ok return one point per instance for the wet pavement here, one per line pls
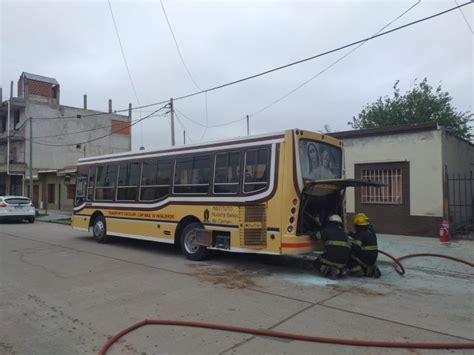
(63, 293)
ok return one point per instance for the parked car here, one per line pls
(16, 208)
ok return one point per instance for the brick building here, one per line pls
(54, 128)
(420, 165)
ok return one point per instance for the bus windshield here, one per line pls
(319, 161)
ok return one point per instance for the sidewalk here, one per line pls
(54, 216)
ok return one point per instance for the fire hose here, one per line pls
(401, 270)
(311, 338)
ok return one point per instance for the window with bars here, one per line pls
(390, 193)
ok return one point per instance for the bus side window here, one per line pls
(105, 184)
(81, 186)
(91, 184)
(227, 173)
(128, 181)
(156, 179)
(192, 175)
(256, 170)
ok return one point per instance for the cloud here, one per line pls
(222, 41)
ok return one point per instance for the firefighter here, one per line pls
(336, 249)
(364, 248)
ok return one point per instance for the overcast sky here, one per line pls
(221, 41)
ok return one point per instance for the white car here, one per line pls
(16, 208)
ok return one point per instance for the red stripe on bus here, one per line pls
(297, 245)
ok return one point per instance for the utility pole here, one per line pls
(31, 158)
(184, 137)
(248, 126)
(172, 121)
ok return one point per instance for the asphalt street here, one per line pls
(63, 293)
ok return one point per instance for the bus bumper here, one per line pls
(300, 245)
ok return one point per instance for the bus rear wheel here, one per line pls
(191, 250)
(99, 229)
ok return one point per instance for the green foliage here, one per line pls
(418, 105)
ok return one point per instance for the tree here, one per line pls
(418, 105)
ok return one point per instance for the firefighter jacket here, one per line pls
(336, 243)
(364, 245)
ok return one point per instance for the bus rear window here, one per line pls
(319, 160)
(192, 175)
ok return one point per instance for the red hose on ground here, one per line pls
(276, 334)
(437, 256)
(401, 270)
(352, 342)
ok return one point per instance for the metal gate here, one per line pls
(461, 202)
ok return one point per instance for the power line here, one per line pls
(211, 126)
(90, 130)
(465, 19)
(294, 63)
(320, 54)
(103, 136)
(207, 121)
(123, 52)
(189, 119)
(304, 83)
(127, 67)
(183, 127)
(177, 46)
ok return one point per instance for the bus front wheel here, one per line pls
(99, 229)
(191, 250)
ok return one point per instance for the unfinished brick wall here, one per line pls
(120, 127)
(39, 88)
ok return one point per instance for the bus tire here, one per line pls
(99, 230)
(189, 249)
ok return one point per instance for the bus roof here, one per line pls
(169, 149)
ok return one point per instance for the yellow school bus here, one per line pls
(263, 194)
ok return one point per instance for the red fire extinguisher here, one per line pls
(444, 231)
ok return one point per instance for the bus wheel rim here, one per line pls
(99, 228)
(189, 245)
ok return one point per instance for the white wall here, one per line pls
(47, 157)
(423, 151)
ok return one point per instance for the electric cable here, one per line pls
(465, 19)
(290, 64)
(123, 53)
(322, 53)
(126, 66)
(103, 136)
(177, 46)
(183, 126)
(90, 130)
(189, 119)
(304, 83)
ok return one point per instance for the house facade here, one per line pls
(60, 136)
(417, 164)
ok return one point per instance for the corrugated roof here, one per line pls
(37, 77)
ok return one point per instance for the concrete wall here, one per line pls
(458, 158)
(423, 151)
(458, 155)
(48, 157)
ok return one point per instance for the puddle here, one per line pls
(306, 279)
